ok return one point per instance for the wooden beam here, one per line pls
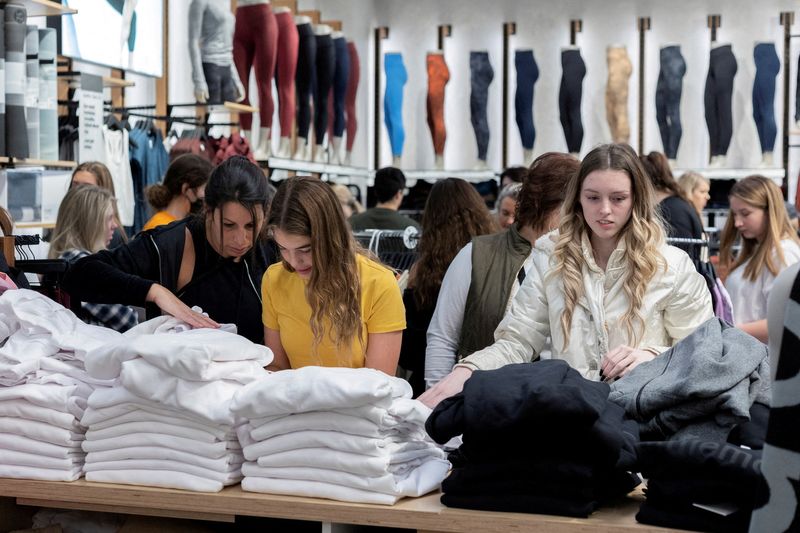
(336, 25)
(313, 14)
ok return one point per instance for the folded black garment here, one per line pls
(521, 503)
(692, 518)
(694, 489)
(753, 432)
(545, 393)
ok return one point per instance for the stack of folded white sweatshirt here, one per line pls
(168, 422)
(44, 386)
(339, 433)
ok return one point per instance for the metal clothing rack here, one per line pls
(395, 248)
(703, 243)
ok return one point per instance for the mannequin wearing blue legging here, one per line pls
(527, 74)
(481, 76)
(767, 67)
(396, 77)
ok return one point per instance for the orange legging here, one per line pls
(438, 76)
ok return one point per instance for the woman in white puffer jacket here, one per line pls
(606, 288)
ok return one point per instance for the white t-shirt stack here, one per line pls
(168, 422)
(338, 433)
(44, 386)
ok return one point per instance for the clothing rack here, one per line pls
(395, 248)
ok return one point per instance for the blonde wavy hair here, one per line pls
(309, 207)
(758, 192)
(81, 223)
(643, 235)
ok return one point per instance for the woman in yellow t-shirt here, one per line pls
(326, 303)
(181, 192)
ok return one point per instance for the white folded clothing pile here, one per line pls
(168, 422)
(44, 386)
(338, 433)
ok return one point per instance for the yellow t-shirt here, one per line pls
(162, 218)
(287, 310)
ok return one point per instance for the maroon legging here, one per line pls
(288, 44)
(255, 44)
(350, 97)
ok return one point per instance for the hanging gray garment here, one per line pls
(32, 89)
(48, 95)
(16, 130)
(2, 84)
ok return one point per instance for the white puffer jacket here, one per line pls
(676, 302)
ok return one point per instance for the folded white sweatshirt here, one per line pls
(11, 457)
(41, 474)
(228, 462)
(73, 369)
(402, 412)
(13, 373)
(40, 431)
(352, 463)
(326, 421)
(156, 478)
(133, 428)
(29, 411)
(71, 399)
(313, 388)
(225, 477)
(213, 450)
(189, 354)
(10, 441)
(141, 415)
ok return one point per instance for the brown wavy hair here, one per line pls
(454, 214)
(656, 165)
(643, 234)
(308, 207)
(543, 189)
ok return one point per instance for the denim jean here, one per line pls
(718, 99)
(396, 78)
(668, 99)
(481, 76)
(570, 95)
(767, 67)
(527, 74)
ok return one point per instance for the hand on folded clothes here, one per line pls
(452, 384)
(621, 360)
(171, 304)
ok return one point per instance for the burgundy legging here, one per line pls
(288, 44)
(255, 44)
(350, 97)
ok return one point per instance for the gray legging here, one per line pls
(2, 88)
(481, 76)
(48, 95)
(668, 99)
(32, 89)
(16, 130)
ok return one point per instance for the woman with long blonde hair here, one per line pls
(759, 221)
(606, 288)
(326, 303)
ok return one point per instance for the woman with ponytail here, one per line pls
(181, 192)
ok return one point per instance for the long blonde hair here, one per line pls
(81, 223)
(689, 181)
(758, 192)
(309, 207)
(643, 235)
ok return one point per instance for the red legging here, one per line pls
(350, 97)
(438, 76)
(255, 44)
(288, 44)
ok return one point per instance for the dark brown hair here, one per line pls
(656, 165)
(544, 188)
(191, 169)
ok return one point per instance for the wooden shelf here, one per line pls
(44, 8)
(108, 81)
(17, 162)
(36, 224)
(240, 108)
(275, 163)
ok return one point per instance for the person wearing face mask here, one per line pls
(212, 260)
(607, 310)
(181, 192)
(85, 224)
(327, 303)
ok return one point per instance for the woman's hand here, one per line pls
(621, 360)
(452, 384)
(171, 304)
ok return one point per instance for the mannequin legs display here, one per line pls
(264, 149)
(16, 129)
(350, 100)
(569, 98)
(255, 45)
(668, 99)
(32, 89)
(221, 87)
(2, 84)
(767, 67)
(481, 76)
(306, 65)
(48, 94)
(527, 74)
(284, 148)
(718, 95)
(286, 70)
(326, 66)
(438, 76)
(340, 79)
(619, 72)
(396, 78)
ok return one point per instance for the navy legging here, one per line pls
(668, 99)
(570, 95)
(718, 99)
(326, 66)
(481, 76)
(306, 66)
(396, 77)
(340, 79)
(767, 67)
(527, 74)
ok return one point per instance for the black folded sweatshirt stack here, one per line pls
(537, 438)
(684, 477)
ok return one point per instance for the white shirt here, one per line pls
(749, 298)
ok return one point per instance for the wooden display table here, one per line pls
(424, 514)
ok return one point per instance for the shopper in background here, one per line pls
(758, 220)
(85, 224)
(454, 214)
(213, 260)
(484, 277)
(390, 183)
(326, 303)
(349, 204)
(181, 192)
(695, 187)
(605, 288)
(96, 173)
(512, 175)
(7, 230)
(506, 205)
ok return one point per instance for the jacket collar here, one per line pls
(616, 263)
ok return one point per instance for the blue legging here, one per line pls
(767, 67)
(527, 74)
(481, 76)
(396, 77)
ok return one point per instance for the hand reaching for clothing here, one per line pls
(171, 304)
(452, 384)
(621, 360)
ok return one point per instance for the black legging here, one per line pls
(306, 65)
(718, 95)
(326, 68)
(668, 99)
(569, 98)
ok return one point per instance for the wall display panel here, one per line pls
(115, 33)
